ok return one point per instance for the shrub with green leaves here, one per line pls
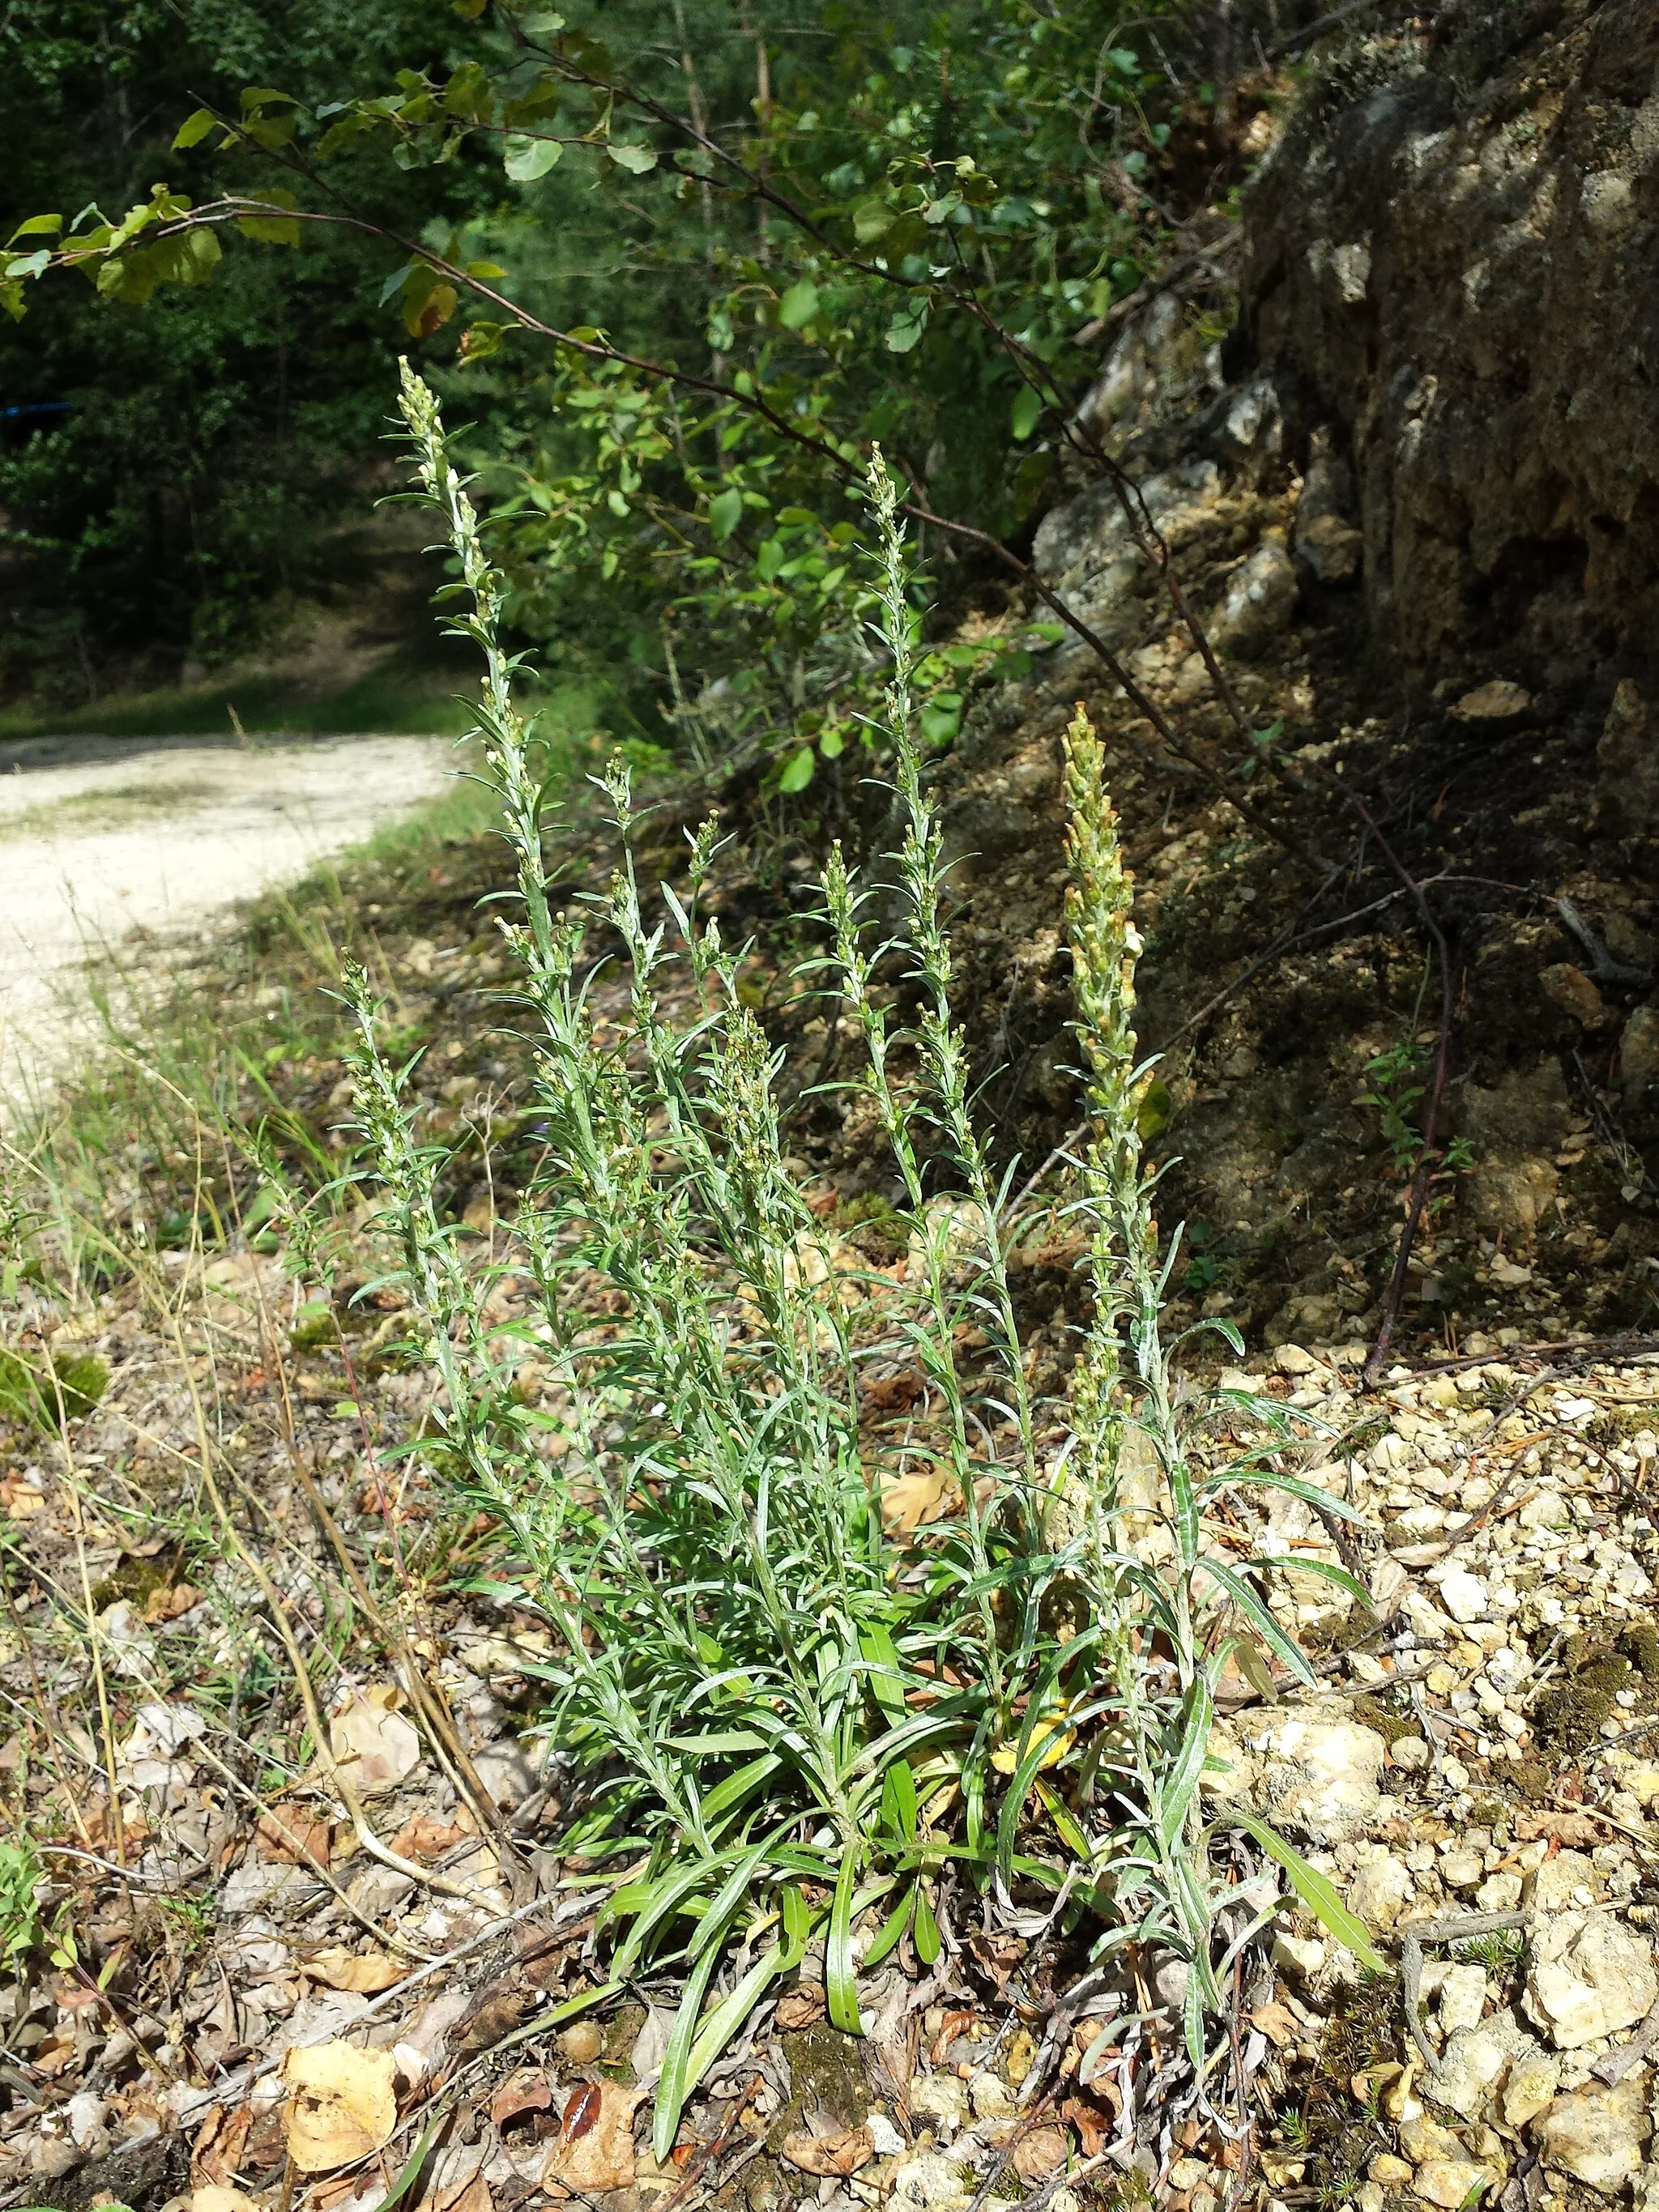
(788, 1710)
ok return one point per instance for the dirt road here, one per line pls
(108, 844)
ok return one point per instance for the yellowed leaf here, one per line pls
(375, 1746)
(595, 2149)
(341, 2104)
(367, 1972)
(1006, 1758)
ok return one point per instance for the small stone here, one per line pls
(993, 2099)
(926, 2181)
(1300, 1956)
(1462, 1998)
(1330, 549)
(1188, 2172)
(885, 2137)
(1463, 1596)
(1596, 2136)
(1380, 1891)
(1259, 601)
(580, 2044)
(1530, 2089)
(1558, 1884)
(1448, 2181)
(942, 2097)
(1320, 1776)
(1423, 2139)
(1589, 1977)
(1390, 2172)
(1410, 1754)
(1638, 1052)
(1461, 1869)
(1476, 2061)
(1497, 701)
(1499, 1892)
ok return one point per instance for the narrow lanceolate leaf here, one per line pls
(928, 1941)
(730, 1895)
(1314, 1890)
(898, 1801)
(1269, 1478)
(1181, 1786)
(840, 1985)
(676, 2059)
(1192, 2020)
(1186, 1508)
(724, 2020)
(736, 1787)
(1261, 1619)
(886, 1682)
(891, 1931)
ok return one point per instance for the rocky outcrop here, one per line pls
(1453, 256)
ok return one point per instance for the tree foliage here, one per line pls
(682, 261)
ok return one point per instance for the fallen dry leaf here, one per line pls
(893, 1394)
(217, 2155)
(473, 2195)
(214, 2197)
(909, 1501)
(595, 2149)
(801, 2007)
(366, 1972)
(375, 1746)
(290, 1837)
(341, 2104)
(170, 1603)
(1040, 2154)
(52, 2056)
(497, 2013)
(830, 2156)
(526, 2091)
(1277, 2022)
(426, 1839)
(953, 2025)
(1093, 2126)
(1577, 1831)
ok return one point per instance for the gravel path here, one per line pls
(108, 844)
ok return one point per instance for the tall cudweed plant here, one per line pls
(791, 1711)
